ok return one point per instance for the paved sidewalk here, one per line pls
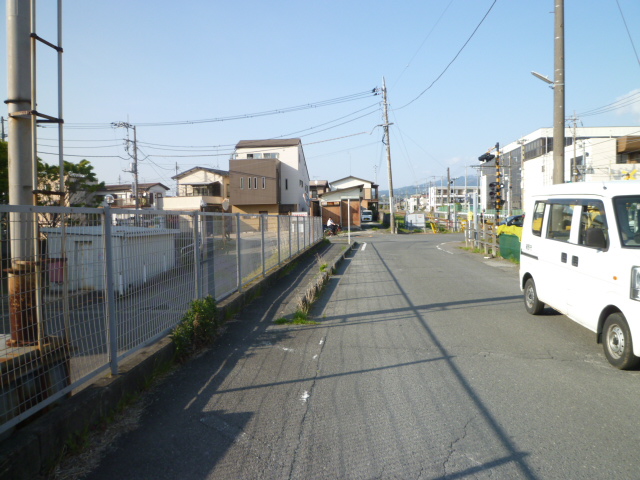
(25, 452)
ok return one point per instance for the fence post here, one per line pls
(297, 234)
(112, 331)
(290, 246)
(279, 240)
(196, 256)
(238, 250)
(264, 266)
(484, 239)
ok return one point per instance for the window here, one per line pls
(254, 155)
(538, 215)
(559, 224)
(286, 184)
(255, 182)
(264, 182)
(593, 218)
(249, 183)
(270, 155)
(628, 215)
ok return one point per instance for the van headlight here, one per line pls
(635, 283)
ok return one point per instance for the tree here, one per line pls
(80, 185)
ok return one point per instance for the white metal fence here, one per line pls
(83, 288)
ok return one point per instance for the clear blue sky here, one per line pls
(173, 61)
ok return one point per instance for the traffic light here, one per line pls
(495, 194)
(485, 157)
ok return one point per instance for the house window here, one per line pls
(255, 182)
(301, 184)
(270, 155)
(254, 155)
(241, 183)
(264, 182)
(249, 183)
(286, 184)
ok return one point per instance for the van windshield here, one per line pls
(628, 219)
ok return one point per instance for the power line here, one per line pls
(628, 33)
(454, 58)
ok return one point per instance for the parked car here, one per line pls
(366, 216)
(580, 255)
(513, 220)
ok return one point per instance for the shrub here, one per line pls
(197, 328)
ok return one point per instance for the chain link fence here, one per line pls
(83, 288)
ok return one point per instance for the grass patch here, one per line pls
(322, 263)
(198, 327)
(299, 318)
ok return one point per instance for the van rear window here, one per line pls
(628, 218)
(538, 215)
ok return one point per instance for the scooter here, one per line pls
(329, 232)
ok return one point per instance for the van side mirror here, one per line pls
(596, 238)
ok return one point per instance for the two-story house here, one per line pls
(269, 176)
(369, 198)
(150, 195)
(200, 189)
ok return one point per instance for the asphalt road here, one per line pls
(423, 365)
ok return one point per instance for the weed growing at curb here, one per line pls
(299, 318)
(322, 263)
(198, 327)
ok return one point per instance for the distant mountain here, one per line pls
(421, 188)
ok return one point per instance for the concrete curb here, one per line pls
(35, 448)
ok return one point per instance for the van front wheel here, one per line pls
(531, 301)
(617, 343)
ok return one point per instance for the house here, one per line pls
(343, 205)
(269, 177)
(369, 199)
(200, 189)
(316, 189)
(150, 195)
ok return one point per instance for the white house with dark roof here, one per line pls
(150, 195)
(200, 188)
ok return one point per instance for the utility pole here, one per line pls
(448, 198)
(134, 169)
(392, 220)
(558, 95)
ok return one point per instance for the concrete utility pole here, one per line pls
(558, 95)
(20, 129)
(134, 169)
(392, 219)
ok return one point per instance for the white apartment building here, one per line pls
(591, 154)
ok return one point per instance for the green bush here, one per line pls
(197, 328)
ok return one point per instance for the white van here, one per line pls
(366, 216)
(580, 255)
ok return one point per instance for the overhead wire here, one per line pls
(454, 58)
(628, 32)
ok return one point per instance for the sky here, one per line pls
(197, 76)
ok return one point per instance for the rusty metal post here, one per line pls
(22, 304)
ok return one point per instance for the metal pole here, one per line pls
(262, 256)
(135, 168)
(392, 219)
(196, 256)
(238, 263)
(349, 220)
(290, 246)
(279, 240)
(112, 330)
(558, 95)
